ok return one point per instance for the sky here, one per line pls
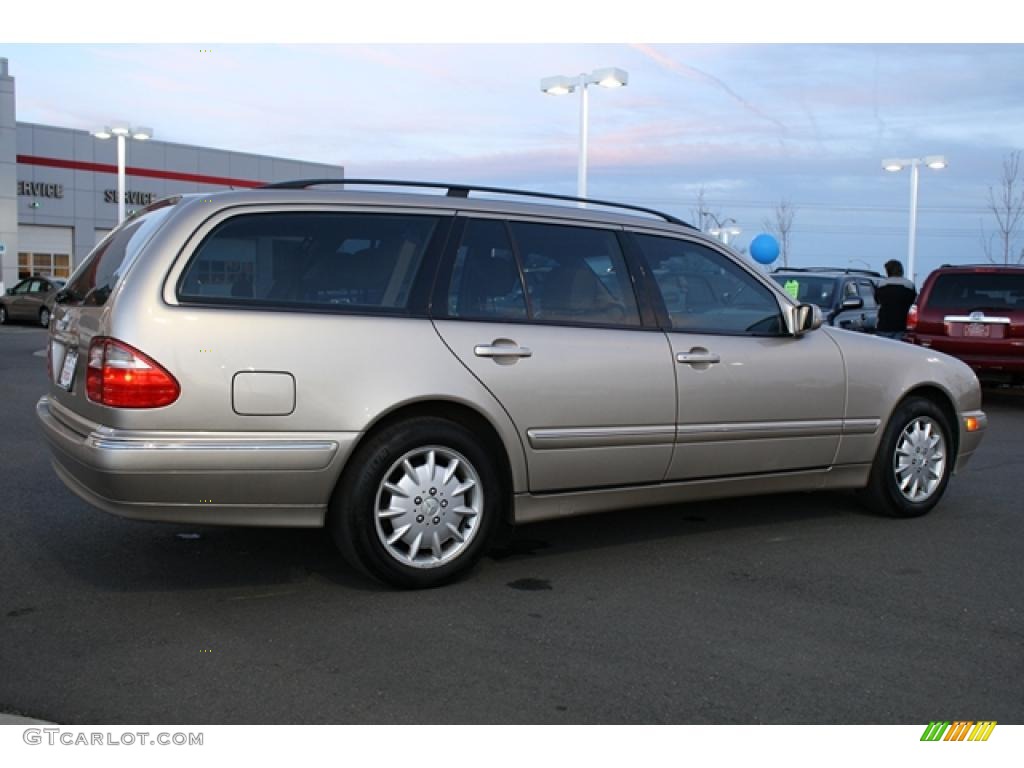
(749, 124)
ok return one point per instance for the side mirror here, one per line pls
(852, 302)
(803, 318)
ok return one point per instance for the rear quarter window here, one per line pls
(108, 263)
(310, 259)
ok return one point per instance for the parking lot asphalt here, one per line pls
(780, 609)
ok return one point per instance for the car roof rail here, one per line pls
(840, 270)
(463, 190)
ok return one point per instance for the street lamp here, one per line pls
(122, 131)
(559, 85)
(895, 165)
(722, 230)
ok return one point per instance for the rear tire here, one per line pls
(914, 461)
(44, 317)
(418, 504)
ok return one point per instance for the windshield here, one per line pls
(979, 290)
(808, 289)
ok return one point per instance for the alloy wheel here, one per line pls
(428, 507)
(919, 461)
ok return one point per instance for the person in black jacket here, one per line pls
(894, 296)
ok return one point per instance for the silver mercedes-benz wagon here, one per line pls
(412, 369)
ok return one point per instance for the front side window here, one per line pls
(866, 289)
(340, 260)
(575, 275)
(705, 292)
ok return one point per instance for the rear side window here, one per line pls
(315, 259)
(977, 291)
(575, 274)
(95, 279)
(486, 284)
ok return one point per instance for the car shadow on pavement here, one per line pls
(119, 555)
(1011, 397)
(129, 556)
(699, 518)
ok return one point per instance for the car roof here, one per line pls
(595, 212)
(967, 268)
(824, 272)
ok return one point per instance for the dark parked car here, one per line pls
(846, 296)
(30, 300)
(976, 313)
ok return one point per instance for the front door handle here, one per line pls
(502, 348)
(694, 357)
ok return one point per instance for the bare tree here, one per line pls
(702, 213)
(1006, 202)
(782, 227)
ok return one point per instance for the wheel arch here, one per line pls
(466, 416)
(944, 402)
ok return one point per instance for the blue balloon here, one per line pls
(764, 249)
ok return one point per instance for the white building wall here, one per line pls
(8, 181)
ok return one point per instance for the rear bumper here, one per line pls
(262, 479)
(1004, 356)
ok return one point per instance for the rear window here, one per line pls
(314, 259)
(97, 277)
(977, 291)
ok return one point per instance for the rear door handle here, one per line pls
(501, 350)
(696, 358)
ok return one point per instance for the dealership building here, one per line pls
(58, 186)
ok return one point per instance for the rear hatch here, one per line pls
(974, 313)
(82, 307)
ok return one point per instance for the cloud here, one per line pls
(696, 74)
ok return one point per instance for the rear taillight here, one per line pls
(912, 317)
(123, 377)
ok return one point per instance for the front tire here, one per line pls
(418, 504)
(914, 461)
(3, 315)
(44, 317)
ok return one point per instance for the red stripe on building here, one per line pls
(152, 173)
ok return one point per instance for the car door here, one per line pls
(751, 399)
(26, 299)
(866, 289)
(850, 306)
(545, 315)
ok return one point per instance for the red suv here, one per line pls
(976, 313)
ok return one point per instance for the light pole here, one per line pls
(122, 131)
(722, 230)
(559, 85)
(897, 164)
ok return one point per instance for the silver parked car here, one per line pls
(412, 369)
(31, 300)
